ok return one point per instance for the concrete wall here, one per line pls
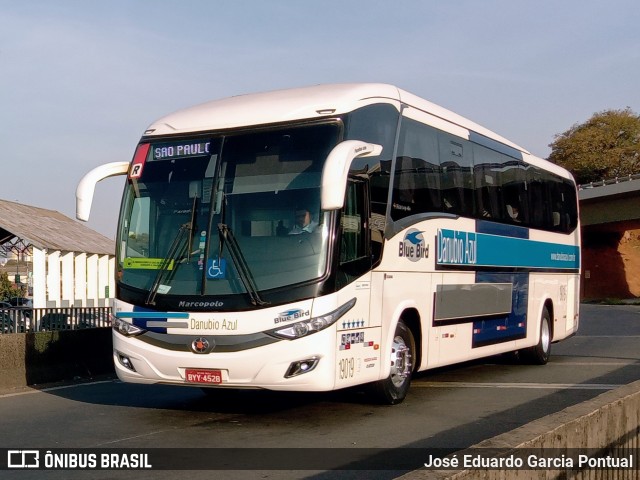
(44, 357)
(611, 420)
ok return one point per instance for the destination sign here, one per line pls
(174, 150)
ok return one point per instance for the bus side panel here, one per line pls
(478, 333)
(403, 291)
(454, 337)
(504, 328)
(560, 290)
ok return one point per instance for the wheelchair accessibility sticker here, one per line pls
(216, 268)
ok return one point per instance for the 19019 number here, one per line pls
(347, 368)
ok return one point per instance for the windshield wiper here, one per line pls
(170, 261)
(226, 236)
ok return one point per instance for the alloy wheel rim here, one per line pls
(400, 361)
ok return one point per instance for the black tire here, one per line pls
(539, 354)
(393, 389)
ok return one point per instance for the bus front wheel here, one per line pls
(539, 354)
(393, 389)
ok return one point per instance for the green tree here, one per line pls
(605, 146)
(7, 290)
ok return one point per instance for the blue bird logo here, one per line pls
(413, 237)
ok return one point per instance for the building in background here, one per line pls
(60, 261)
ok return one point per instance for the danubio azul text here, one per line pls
(457, 248)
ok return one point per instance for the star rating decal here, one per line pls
(352, 324)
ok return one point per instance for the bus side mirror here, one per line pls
(336, 170)
(86, 187)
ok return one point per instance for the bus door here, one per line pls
(357, 358)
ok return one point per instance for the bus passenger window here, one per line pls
(417, 180)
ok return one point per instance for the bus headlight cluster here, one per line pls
(312, 325)
(125, 328)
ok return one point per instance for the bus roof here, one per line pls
(300, 104)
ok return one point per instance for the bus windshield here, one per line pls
(223, 215)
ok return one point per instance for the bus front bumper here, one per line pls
(303, 364)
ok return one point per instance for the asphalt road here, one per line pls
(447, 408)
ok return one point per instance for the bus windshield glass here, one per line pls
(224, 215)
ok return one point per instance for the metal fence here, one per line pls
(26, 319)
(609, 181)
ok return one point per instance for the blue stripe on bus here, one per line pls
(503, 328)
(470, 249)
(502, 229)
(140, 315)
(153, 315)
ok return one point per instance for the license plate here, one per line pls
(203, 376)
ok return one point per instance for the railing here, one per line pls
(26, 319)
(610, 181)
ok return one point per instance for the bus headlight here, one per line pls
(125, 361)
(301, 366)
(312, 325)
(125, 328)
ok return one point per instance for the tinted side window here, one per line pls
(375, 124)
(515, 196)
(487, 170)
(510, 191)
(456, 164)
(569, 202)
(553, 201)
(563, 205)
(541, 212)
(439, 172)
(416, 186)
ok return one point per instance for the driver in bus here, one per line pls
(303, 222)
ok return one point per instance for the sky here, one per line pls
(81, 80)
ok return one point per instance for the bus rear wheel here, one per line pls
(393, 389)
(539, 354)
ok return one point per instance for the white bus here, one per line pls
(318, 238)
